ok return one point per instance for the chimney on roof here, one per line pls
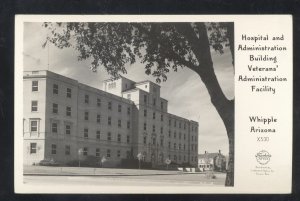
(219, 151)
(205, 152)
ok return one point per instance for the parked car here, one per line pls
(48, 162)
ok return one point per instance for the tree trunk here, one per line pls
(225, 108)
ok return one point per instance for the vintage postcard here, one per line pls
(153, 104)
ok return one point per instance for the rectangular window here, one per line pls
(127, 154)
(109, 136)
(184, 147)
(145, 139)
(161, 117)
(69, 93)
(169, 145)
(109, 105)
(85, 151)
(128, 124)
(179, 146)
(32, 148)
(119, 137)
(55, 108)
(169, 133)
(175, 134)
(179, 124)
(154, 101)
(184, 126)
(86, 133)
(35, 86)
(174, 145)
(145, 99)
(68, 111)
(86, 116)
(54, 127)
(175, 123)
(161, 130)
(154, 141)
(108, 153)
(145, 113)
(161, 105)
(119, 153)
(33, 126)
(179, 136)
(34, 106)
(109, 121)
(145, 126)
(161, 142)
(128, 139)
(98, 135)
(128, 110)
(68, 129)
(184, 137)
(98, 118)
(67, 149)
(119, 108)
(119, 123)
(170, 122)
(153, 128)
(153, 115)
(98, 102)
(55, 89)
(53, 149)
(86, 99)
(97, 152)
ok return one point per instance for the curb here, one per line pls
(104, 175)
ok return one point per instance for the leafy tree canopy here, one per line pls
(160, 46)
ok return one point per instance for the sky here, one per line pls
(184, 90)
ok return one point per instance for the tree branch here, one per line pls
(172, 55)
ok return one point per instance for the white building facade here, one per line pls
(62, 116)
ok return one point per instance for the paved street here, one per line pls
(161, 180)
(117, 177)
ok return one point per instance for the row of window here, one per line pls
(146, 101)
(162, 119)
(109, 104)
(67, 150)
(86, 97)
(108, 137)
(162, 130)
(85, 152)
(55, 109)
(175, 158)
(35, 87)
(175, 147)
(54, 129)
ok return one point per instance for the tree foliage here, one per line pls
(160, 46)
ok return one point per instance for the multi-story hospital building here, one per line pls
(63, 116)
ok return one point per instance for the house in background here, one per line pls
(212, 161)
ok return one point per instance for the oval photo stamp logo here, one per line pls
(263, 157)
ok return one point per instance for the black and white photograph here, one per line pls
(153, 104)
(129, 103)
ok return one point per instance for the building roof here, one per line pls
(210, 155)
(142, 82)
